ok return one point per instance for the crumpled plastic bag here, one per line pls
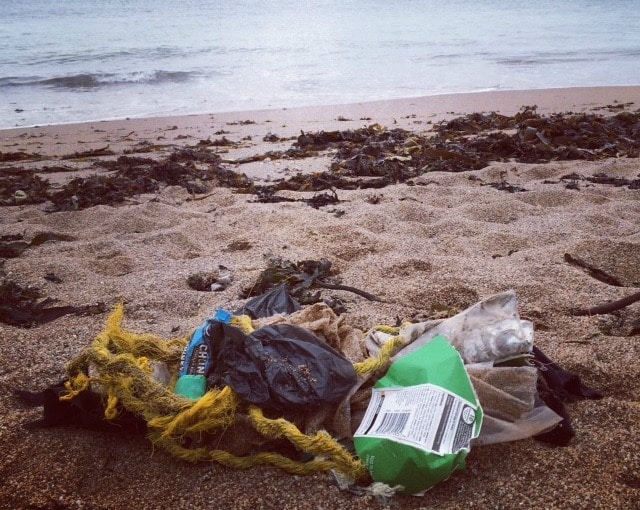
(278, 367)
(485, 333)
(274, 301)
(512, 407)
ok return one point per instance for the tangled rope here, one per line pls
(120, 363)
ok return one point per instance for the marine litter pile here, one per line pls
(292, 388)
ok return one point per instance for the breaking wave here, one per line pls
(92, 81)
(543, 58)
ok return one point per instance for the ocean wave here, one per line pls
(91, 81)
(545, 58)
(147, 54)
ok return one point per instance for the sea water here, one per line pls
(78, 60)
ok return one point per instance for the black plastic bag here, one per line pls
(555, 387)
(273, 301)
(86, 410)
(278, 367)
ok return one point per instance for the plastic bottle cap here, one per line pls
(222, 315)
(191, 386)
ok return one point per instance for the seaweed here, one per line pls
(267, 195)
(599, 178)
(17, 156)
(81, 193)
(371, 157)
(505, 186)
(210, 281)
(221, 142)
(610, 307)
(270, 137)
(298, 276)
(593, 271)
(302, 280)
(12, 246)
(102, 151)
(475, 123)
(241, 123)
(25, 307)
(32, 187)
(134, 175)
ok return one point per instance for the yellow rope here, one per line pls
(121, 366)
(244, 462)
(370, 365)
(76, 386)
(392, 330)
(321, 444)
(215, 409)
(110, 411)
(243, 322)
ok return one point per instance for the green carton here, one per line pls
(421, 419)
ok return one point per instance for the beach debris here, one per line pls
(17, 156)
(267, 195)
(302, 279)
(20, 196)
(92, 153)
(12, 245)
(610, 307)
(26, 307)
(213, 281)
(492, 330)
(52, 277)
(270, 137)
(254, 387)
(278, 367)
(18, 186)
(438, 439)
(557, 387)
(593, 271)
(87, 411)
(220, 142)
(276, 300)
(239, 245)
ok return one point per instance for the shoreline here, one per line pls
(503, 101)
(412, 114)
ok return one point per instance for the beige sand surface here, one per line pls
(447, 241)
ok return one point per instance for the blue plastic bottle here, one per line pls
(196, 361)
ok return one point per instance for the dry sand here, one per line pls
(447, 241)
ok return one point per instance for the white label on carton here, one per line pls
(424, 416)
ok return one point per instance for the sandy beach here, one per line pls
(436, 242)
